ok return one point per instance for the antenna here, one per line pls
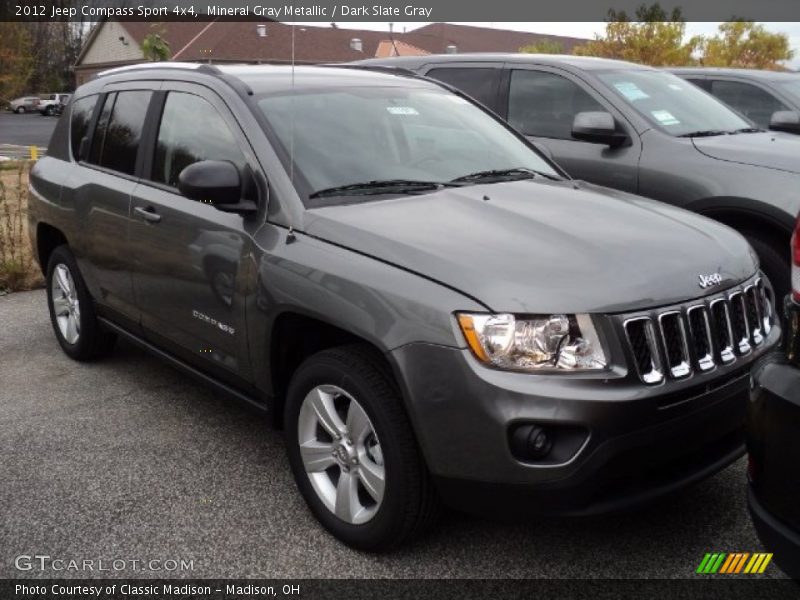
(391, 38)
(291, 137)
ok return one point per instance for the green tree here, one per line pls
(745, 44)
(654, 38)
(16, 62)
(154, 46)
(543, 46)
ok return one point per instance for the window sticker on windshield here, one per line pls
(675, 86)
(402, 110)
(456, 99)
(630, 90)
(664, 117)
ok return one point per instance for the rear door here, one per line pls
(481, 81)
(191, 260)
(542, 103)
(106, 135)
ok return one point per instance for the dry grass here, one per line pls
(18, 269)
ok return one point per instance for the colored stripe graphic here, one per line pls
(703, 563)
(741, 562)
(764, 564)
(732, 558)
(734, 563)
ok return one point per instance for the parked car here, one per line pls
(431, 308)
(640, 130)
(25, 104)
(53, 105)
(771, 99)
(774, 440)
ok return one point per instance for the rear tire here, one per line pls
(72, 313)
(337, 382)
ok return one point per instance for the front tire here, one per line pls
(20, 110)
(775, 265)
(353, 453)
(72, 311)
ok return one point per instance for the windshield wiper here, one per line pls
(705, 133)
(386, 186)
(504, 175)
(750, 130)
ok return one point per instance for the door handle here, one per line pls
(148, 214)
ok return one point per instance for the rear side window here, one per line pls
(480, 83)
(544, 104)
(80, 119)
(191, 130)
(703, 84)
(119, 131)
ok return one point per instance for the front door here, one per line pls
(542, 105)
(190, 266)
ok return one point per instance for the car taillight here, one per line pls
(796, 263)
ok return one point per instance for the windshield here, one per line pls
(342, 137)
(672, 104)
(791, 87)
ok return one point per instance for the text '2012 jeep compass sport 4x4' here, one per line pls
(431, 309)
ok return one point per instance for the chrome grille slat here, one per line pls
(676, 342)
(741, 328)
(724, 331)
(700, 328)
(753, 305)
(642, 338)
(676, 348)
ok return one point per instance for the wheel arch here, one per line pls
(48, 238)
(295, 336)
(748, 215)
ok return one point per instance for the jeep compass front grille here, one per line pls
(699, 336)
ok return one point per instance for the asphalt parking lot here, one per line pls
(129, 459)
(17, 132)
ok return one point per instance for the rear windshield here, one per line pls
(334, 137)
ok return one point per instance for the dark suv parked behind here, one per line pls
(641, 130)
(430, 307)
(771, 99)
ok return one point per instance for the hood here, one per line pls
(772, 150)
(535, 247)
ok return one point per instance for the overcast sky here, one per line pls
(588, 30)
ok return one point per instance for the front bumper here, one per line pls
(637, 442)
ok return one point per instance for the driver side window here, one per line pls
(545, 104)
(191, 130)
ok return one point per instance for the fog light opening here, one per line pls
(531, 442)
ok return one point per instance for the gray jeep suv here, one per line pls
(432, 309)
(641, 130)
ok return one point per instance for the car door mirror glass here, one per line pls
(785, 120)
(597, 127)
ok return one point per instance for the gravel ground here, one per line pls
(129, 459)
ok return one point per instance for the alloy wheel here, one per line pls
(66, 307)
(341, 454)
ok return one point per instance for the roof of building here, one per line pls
(235, 41)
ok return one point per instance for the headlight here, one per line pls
(554, 342)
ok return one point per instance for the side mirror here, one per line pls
(215, 182)
(597, 127)
(785, 120)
